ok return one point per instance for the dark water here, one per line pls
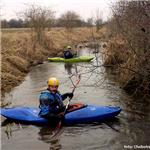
(131, 127)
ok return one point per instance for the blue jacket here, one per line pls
(50, 103)
(68, 54)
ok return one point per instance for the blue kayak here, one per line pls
(82, 114)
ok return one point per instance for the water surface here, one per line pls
(131, 127)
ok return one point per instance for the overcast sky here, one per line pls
(85, 8)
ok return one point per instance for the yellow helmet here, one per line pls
(53, 82)
(68, 47)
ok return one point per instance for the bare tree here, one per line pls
(70, 19)
(90, 22)
(131, 24)
(39, 18)
(98, 19)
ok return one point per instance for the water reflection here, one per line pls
(45, 135)
(72, 69)
(133, 108)
(68, 68)
(131, 127)
(135, 117)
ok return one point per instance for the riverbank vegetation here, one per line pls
(129, 46)
(41, 35)
(20, 50)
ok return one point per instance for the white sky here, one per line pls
(85, 8)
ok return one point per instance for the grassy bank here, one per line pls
(21, 50)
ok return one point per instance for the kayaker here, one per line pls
(51, 101)
(67, 53)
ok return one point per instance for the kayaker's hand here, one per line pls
(64, 96)
(70, 95)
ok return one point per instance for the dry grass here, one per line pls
(130, 76)
(20, 50)
(118, 55)
(116, 51)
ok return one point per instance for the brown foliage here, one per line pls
(20, 50)
(131, 24)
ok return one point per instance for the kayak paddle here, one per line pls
(67, 105)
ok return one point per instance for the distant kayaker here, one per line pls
(51, 101)
(67, 53)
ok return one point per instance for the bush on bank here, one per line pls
(129, 46)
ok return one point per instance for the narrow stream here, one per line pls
(97, 87)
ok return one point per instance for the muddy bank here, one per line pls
(21, 50)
